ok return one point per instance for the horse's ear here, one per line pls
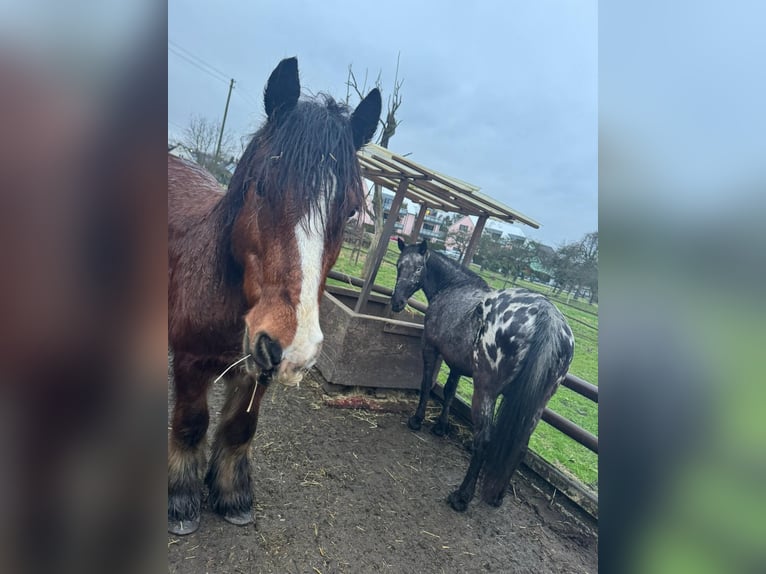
(401, 243)
(422, 247)
(364, 120)
(283, 88)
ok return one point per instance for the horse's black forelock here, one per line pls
(286, 161)
(289, 157)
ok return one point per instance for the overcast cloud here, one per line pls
(500, 94)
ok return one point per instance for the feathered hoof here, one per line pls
(439, 429)
(183, 527)
(414, 422)
(240, 519)
(457, 501)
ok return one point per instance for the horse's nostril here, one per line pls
(275, 351)
(266, 352)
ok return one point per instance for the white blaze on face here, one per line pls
(303, 351)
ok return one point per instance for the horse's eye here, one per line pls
(352, 214)
(419, 269)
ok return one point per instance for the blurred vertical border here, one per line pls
(682, 192)
(83, 308)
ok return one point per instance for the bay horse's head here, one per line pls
(410, 272)
(296, 185)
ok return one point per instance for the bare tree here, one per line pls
(199, 141)
(459, 240)
(388, 130)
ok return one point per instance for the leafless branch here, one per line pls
(352, 83)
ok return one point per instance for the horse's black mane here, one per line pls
(447, 272)
(288, 159)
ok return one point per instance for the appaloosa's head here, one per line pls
(410, 271)
(298, 183)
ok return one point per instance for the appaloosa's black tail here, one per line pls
(524, 399)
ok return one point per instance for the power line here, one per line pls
(177, 48)
(198, 66)
(213, 72)
(247, 98)
(194, 56)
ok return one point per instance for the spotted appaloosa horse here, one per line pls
(513, 343)
(246, 270)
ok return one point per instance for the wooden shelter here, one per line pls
(364, 344)
(430, 189)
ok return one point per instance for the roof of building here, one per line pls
(387, 168)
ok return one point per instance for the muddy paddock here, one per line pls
(355, 491)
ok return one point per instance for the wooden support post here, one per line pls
(473, 245)
(418, 222)
(382, 246)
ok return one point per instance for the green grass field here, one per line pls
(546, 441)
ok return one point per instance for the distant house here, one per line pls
(405, 221)
(495, 234)
(463, 225)
(433, 228)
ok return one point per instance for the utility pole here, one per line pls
(223, 123)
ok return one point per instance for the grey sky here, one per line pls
(500, 94)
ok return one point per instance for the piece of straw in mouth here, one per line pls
(230, 367)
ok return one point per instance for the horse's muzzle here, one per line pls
(297, 360)
(265, 353)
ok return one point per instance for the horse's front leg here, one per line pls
(430, 355)
(442, 425)
(482, 412)
(186, 446)
(228, 478)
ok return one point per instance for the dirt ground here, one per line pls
(354, 491)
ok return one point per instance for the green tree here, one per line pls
(487, 253)
(575, 267)
(589, 247)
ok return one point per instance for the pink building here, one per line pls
(405, 223)
(463, 225)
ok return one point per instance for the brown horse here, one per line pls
(246, 270)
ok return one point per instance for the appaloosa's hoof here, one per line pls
(240, 519)
(414, 422)
(457, 501)
(496, 502)
(183, 527)
(439, 429)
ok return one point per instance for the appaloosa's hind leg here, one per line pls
(228, 479)
(482, 411)
(430, 354)
(442, 425)
(186, 446)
